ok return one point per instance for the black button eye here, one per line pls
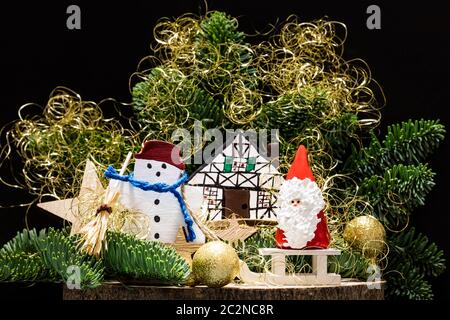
(156, 201)
(164, 166)
(157, 219)
(156, 235)
(149, 165)
(158, 174)
(244, 206)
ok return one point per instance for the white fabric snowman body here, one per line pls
(156, 163)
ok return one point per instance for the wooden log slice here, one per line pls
(348, 290)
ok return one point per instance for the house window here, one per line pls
(251, 161)
(264, 199)
(211, 197)
(228, 164)
(239, 164)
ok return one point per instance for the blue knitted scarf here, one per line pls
(111, 173)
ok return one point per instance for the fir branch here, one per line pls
(298, 116)
(221, 54)
(220, 29)
(292, 113)
(411, 247)
(406, 143)
(219, 41)
(19, 259)
(395, 194)
(349, 264)
(338, 132)
(22, 267)
(164, 89)
(59, 251)
(412, 258)
(128, 256)
(23, 242)
(406, 282)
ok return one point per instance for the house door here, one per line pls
(236, 201)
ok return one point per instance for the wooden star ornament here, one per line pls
(72, 209)
(231, 230)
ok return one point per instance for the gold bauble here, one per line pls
(191, 281)
(367, 234)
(215, 264)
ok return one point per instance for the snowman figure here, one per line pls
(154, 189)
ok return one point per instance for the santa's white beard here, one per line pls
(299, 223)
(299, 227)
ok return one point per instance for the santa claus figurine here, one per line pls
(301, 221)
(154, 188)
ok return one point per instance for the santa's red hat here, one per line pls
(301, 170)
(161, 151)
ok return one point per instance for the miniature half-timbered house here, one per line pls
(238, 180)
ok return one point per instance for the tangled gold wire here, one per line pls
(54, 145)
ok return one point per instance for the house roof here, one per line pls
(241, 138)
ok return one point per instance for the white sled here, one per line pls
(278, 276)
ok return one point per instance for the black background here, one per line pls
(409, 57)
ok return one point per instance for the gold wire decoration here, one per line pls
(54, 144)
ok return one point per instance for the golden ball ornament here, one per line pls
(191, 281)
(367, 234)
(215, 264)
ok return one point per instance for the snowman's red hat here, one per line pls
(161, 151)
(300, 169)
